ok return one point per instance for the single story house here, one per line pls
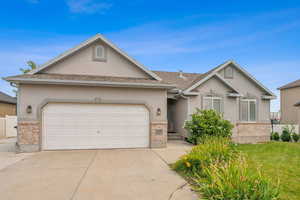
(289, 97)
(7, 105)
(96, 96)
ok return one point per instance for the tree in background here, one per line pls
(31, 66)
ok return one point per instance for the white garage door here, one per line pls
(89, 126)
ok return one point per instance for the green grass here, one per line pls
(278, 160)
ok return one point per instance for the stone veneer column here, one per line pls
(252, 132)
(158, 137)
(28, 136)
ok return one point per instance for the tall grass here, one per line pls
(236, 181)
(212, 150)
(220, 172)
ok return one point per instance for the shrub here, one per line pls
(207, 123)
(235, 181)
(212, 150)
(275, 136)
(295, 137)
(286, 135)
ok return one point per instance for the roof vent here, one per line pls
(181, 74)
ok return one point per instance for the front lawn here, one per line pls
(278, 160)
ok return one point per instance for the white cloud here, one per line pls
(170, 37)
(88, 6)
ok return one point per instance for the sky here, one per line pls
(193, 36)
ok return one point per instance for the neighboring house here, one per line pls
(7, 105)
(289, 97)
(96, 96)
(298, 112)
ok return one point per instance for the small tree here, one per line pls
(295, 137)
(286, 134)
(207, 123)
(275, 136)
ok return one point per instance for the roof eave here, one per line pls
(287, 87)
(268, 97)
(89, 83)
(8, 102)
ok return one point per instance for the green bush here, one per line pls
(212, 150)
(295, 137)
(275, 136)
(235, 181)
(286, 136)
(207, 123)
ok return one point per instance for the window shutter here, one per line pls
(217, 105)
(252, 110)
(207, 103)
(244, 110)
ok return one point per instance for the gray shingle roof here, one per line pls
(181, 82)
(86, 78)
(291, 85)
(7, 99)
(171, 78)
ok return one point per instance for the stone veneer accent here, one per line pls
(28, 136)
(251, 132)
(159, 134)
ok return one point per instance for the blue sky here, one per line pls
(193, 36)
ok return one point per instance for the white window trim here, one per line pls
(212, 98)
(248, 105)
(95, 57)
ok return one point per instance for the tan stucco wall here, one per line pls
(298, 109)
(29, 124)
(247, 87)
(230, 105)
(7, 109)
(180, 115)
(288, 98)
(34, 95)
(82, 63)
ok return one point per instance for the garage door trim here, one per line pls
(84, 101)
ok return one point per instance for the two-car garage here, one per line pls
(94, 126)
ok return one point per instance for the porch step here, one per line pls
(174, 136)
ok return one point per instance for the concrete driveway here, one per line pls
(126, 174)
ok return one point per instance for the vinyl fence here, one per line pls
(279, 127)
(7, 126)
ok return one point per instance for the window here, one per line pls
(248, 110)
(228, 72)
(99, 53)
(213, 103)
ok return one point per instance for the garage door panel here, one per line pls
(85, 126)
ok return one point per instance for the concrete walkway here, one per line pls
(126, 174)
(8, 156)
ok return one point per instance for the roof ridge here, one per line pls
(175, 72)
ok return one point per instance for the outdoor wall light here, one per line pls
(158, 112)
(29, 109)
